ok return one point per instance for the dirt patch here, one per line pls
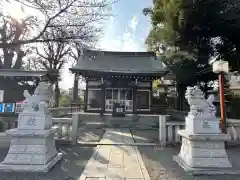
(145, 136)
(90, 134)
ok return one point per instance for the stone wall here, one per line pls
(8, 122)
(168, 130)
(129, 121)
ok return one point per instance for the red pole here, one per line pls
(222, 124)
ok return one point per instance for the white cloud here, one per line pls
(133, 23)
(111, 42)
(129, 43)
(67, 78)
(126, 42)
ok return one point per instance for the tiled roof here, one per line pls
(120, 62)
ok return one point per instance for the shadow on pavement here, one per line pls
(160, 165)
(70, 167)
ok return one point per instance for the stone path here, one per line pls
(116, 162)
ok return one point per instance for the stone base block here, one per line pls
(31, 150)
(31, 168)
(202, 152)
(203, 124)
(203, 171)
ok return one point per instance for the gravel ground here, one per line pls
(160, 165)
(70, 167)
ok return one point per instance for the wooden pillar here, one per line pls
(75, 89)
(151, 96)
(86, 96)
(134, 99)
(103, 98)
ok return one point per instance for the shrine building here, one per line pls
(119, 77)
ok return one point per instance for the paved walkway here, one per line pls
(116, 162)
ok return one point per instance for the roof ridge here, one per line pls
(119, 53)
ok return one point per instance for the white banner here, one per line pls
(18, 107)
(1, 95)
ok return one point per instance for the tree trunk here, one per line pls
(206, 90)
(56, 94)
(180, 98)
(8, 58)
(75, 89)
(18, 63)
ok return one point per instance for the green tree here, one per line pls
(182, 32)
(65, 99)
(201, 28)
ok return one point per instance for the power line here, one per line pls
(204, 71)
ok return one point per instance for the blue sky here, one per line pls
(126, 31)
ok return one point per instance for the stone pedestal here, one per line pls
(203, 145)
(31, 151)
(32, 146)
(203, 148)
(203, 153)
(203, 124)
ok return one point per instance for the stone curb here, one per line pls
(122, 144)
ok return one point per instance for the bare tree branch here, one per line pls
(66, 14)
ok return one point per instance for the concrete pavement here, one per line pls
(116, 162)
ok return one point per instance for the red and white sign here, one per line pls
(18, 107)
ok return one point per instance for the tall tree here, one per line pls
(180, 28)
(194, 27)
(12, 30)
(76, 53)
(70, 15)
(65, 21)
(76, 19)
(52, 56)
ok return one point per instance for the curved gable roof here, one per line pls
(120, 62)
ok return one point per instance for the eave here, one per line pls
(21, 73)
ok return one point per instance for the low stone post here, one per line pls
(162, 129)
(75, 123)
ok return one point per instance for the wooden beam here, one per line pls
(21, 73)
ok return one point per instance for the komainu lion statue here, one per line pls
(41, 96)
(198, 104)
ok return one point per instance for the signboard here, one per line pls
(18, 107)
(31, 122)
(9, 107)
(1, 95)
(1, 107)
